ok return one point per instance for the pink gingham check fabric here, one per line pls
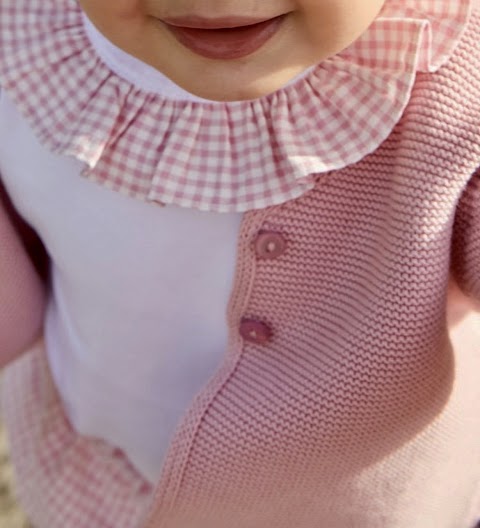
(225, 157)
(84, 482)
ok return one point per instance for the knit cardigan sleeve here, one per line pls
(466, 239)
(22, 293)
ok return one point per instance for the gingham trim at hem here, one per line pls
(228, 157)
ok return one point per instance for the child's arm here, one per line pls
(466, 240)
(22, 293)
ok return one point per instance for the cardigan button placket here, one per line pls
(270, 245)
(255, 331)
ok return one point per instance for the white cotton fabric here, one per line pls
(137, 321)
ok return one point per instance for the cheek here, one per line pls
(333, 25)
(121, 21)
(109, 10)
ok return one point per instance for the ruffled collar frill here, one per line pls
(217, 156)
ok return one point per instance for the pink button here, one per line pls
(270, 245)
(255, 331)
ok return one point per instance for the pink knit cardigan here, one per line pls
(22, 294)
(341, 401)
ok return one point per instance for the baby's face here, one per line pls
(232, 49)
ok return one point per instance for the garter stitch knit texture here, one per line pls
(361, 411)
(358, 412)
(466, 247)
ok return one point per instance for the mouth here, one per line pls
(223, 38)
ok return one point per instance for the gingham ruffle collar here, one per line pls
(225, 157)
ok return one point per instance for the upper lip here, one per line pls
(197, 22)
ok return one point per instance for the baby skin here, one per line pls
(228, 50)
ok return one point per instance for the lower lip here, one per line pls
(228, 43)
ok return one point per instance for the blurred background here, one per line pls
(10, 515)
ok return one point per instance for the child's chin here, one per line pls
(236, 88)
(233, 93)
